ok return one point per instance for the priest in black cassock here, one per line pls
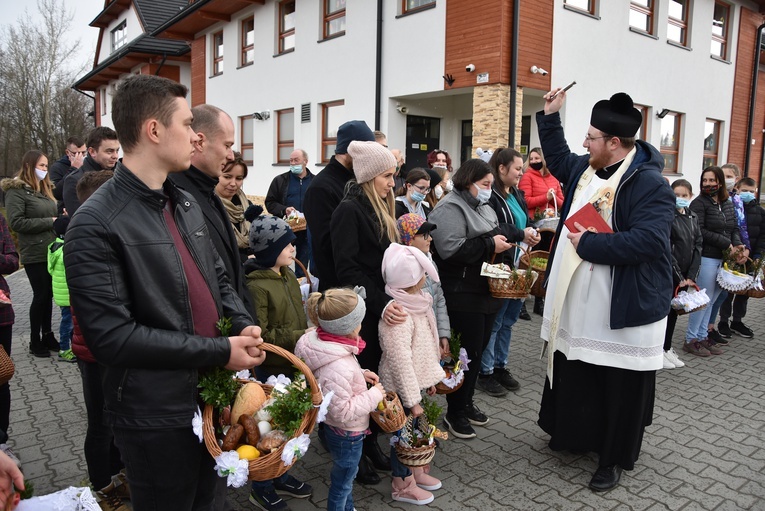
(608, 288)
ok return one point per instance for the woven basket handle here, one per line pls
(302, 267)
(678, 288)
(512, 245)
(309, 377)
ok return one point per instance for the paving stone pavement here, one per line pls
(705, 449)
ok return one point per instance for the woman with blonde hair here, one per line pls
(31, 210)
(362, 227)
(229, 189)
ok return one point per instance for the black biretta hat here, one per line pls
(616, 116)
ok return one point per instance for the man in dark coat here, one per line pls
(72, 160)
(286, 195)
(212, 152)
(103, 153)
(323, 196)
(608, 289)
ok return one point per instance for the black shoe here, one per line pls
(476, 417)
(606, 478)
(524, 313)
(491, 386)
(741, 329)
(267, 500)
(459, 426)
(724, 330)
(366, 473)
(714, 335)
(503, 377)
(293, 487)
(38, 349)
(50, 342)
(372, 450)
(539, 306)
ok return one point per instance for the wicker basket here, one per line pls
(732, 282)
(297, 224)
(7, 369)
(681, 311)
(393, 417)
(269, 466)
(512, 288)
(416, 456)
(755, 293)
(442, 388)
(538, 289)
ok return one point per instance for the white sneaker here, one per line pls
(667, 361)
(671, 355)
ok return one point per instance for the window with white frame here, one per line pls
(119, 36)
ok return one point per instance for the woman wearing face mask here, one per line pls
(468, 235)
(411, 199)
(31, 210)
(441, 162)
(510, 207)
(717, 220)
(541, 189)
(229, 189)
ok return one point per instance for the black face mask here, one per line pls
(537, 165)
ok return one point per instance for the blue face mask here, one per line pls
(483, 196)
(747, 196)
(296, 169)
(681, 203)
(417, 196)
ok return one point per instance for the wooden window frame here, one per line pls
(330, 17)
(325, 140)
(122, 41)
(245, 144)
(648, 12)
(642, 133)
(406, 10)
(682, 24)
(717, 131)
(591, 7)
(104, 101)
(723, 40)
(247, 47)
(217, 59)
(284, 34)
(673, 150)
(280, 144)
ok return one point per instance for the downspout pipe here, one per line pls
(514, 70)
(378, 66)
(161, 64)
(752, 100)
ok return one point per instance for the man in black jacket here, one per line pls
(286, 195)
(148, 288)
(212, 151)
(103, 153)
(323, 196)
(71, 161)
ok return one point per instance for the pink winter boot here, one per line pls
(406, 490)
(424, 479)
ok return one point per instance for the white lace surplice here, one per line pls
(584, 332)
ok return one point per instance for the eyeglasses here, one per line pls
(588, 138)
(425, 235)
(425, 190)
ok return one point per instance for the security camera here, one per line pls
(402, 109)
(470, 68)
(538, 70)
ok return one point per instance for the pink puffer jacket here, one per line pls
(336, 369)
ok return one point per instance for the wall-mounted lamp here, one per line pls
(663, 113)
(262, 116)
(538, 70)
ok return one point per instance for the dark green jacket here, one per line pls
(279, 307)
(30, 214)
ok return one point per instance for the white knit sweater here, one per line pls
(410, 358)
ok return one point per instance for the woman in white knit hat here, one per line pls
(362, 227)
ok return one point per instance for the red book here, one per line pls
(588, 217)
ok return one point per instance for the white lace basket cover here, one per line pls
(69, 499)
(732, 282)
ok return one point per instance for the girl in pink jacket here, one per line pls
(411, 355)
(330, 352)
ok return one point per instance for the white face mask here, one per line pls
(730, 183)
(449, 186)
(40, 173)
(438, 191)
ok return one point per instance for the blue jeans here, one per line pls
(496, 352)
(65, 329)
(716, 306)
(346, 454)
(707, 279)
